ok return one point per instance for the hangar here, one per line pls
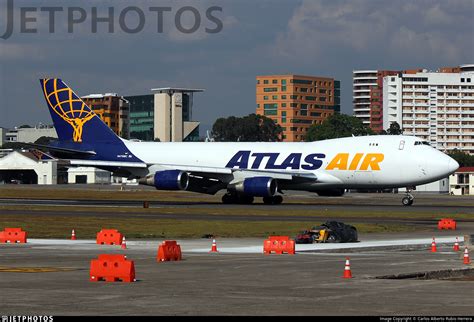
(34, 167)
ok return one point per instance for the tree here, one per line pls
(394, 129)
(464, 159)
(250, 128)
(338, 126)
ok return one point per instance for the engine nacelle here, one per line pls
(258, 187)
(167, 180)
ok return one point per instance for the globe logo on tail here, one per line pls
(70, 108)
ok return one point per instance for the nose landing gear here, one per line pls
(408, 199)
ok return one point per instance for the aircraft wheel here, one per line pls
(406, 201)
(275, 200)
(229, 198)
(278, 200)
(246, 200)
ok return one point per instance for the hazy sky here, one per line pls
(324, 38)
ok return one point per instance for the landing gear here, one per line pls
(275, 200)
(235, 198)
(408, 199)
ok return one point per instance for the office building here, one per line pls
(296, 102)
(165, 115)
(435, 106)
(112, 109)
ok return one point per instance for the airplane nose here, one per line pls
(453, 165)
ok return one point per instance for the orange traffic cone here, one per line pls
(456, 245)
(466, 257)
(433, 246)
(214, 247)
(73, 235)
(124, 244)
(347, 269)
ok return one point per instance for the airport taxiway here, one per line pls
(240, 280)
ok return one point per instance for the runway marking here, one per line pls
(35, 269)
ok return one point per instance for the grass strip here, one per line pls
(87, 228)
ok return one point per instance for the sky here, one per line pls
(320, 38)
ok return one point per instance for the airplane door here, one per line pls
(401, 146)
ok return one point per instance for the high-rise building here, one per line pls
(368, 98)
(112, 109)
(296, 102)
(165, 115)
(436, 106)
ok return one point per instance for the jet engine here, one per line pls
(167, 180)
(257, 187)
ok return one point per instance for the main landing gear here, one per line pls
(408, 199)
(236, 198)
(275, 200)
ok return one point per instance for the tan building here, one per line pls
(296, 102)
(112, 109)
(173, 114)
(461, 182)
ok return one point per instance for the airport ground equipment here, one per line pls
(13, 235)
(447, 223)
(109, 237)
(169, 250)
(112, 268)
(329, 232)
(279, 245)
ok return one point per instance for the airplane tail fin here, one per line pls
(73, 120)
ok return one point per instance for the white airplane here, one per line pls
(245, 169)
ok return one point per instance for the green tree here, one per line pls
(337, 126)
(394, 129)
(464, 159)
(250, 128)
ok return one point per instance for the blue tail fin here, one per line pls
(73, 119)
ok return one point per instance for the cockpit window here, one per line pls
(422, 143)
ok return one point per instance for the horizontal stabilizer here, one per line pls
(60, 150)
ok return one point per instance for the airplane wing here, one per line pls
(212, 179)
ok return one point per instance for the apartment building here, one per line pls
(367, 89)
(296, 102)
(436, 106)
(112, 109)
